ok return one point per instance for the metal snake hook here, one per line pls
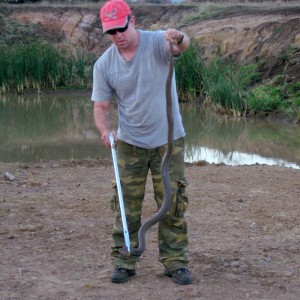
(126, 249)
(164, 165)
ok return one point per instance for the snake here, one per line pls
(164, 167)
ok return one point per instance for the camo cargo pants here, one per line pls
(134, 164)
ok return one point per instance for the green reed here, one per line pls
(222, 86)
(189, 69)
(4, 70)
(217, 81)
(39, 65)
(80, 67)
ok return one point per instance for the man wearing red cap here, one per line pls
(134, 71)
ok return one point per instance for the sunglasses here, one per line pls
(123, 29)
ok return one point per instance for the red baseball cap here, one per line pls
(113, 14)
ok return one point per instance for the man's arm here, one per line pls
(102, 122)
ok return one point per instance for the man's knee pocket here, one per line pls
(179, 203)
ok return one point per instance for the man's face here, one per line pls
(122, 37)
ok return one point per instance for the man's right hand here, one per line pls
(105, 138)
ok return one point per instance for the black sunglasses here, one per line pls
(123, 29)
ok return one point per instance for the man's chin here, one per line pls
(122, 44)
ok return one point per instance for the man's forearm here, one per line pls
(101, 118)
(102, 122)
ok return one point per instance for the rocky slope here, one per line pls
(263, 33)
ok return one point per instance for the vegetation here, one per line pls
(219, 83)
(39, 65)
(189, 73)
(278, 95)
(234, 90)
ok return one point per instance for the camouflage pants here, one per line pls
(134, 164)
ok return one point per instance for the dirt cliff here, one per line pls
(267, 33)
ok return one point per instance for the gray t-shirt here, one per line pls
(139, 86)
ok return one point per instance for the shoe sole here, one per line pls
(175, 280)
(130, 274)
(119, 281)
(181, 282)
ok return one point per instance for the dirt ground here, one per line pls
(56, 220)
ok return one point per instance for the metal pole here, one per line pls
(126, 249)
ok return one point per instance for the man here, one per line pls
(134, 71)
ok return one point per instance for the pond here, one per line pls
(60, 127)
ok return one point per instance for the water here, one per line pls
(240, 141)
(60, 126)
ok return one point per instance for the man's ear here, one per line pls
(132, 19)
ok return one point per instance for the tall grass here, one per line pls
(40, 65)
(221, 87)
(234, 89)
(4, 70)
(218, 81)
(226, 84)
(189, 70)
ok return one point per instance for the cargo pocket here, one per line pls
(114, 200)
(182, 199)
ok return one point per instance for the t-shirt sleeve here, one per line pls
(159, 44)
(102, 91)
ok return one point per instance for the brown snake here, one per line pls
(164, 167)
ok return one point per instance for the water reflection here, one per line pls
(52, 127)
(214, 156)
(58, 127)
(239, 141)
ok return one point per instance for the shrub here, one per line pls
(263, 98)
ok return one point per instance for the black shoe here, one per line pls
(121, 275)
(180, 276)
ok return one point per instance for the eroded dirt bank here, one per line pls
(266, 33)
(56, 221)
